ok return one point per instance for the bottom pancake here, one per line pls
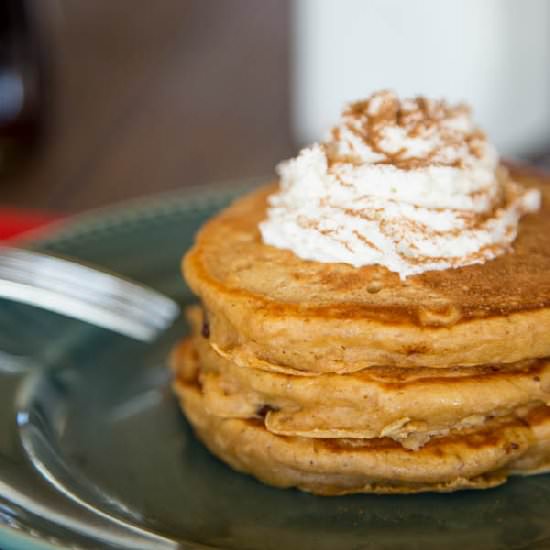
(411, 406)
(474, 458)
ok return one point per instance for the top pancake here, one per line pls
(267, 304)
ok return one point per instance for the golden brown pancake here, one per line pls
(266, 305)
(471, 458)
(338, 380)
(408, 405)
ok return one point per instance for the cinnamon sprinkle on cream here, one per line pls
(412, 184)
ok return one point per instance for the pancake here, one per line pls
(472, 458)
(267, 306)
(408, 405)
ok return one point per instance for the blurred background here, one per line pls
(106, 100)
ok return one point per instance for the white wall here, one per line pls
(495, 54)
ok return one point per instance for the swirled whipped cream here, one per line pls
(410, 184)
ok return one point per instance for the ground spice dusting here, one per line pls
(420, 118)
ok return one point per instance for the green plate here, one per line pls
(94, 452)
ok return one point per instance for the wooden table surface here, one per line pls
(150, 96)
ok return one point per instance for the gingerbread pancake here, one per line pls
(408, 405)
(266, 305)
(469, 458)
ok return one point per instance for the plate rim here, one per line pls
(121, 212)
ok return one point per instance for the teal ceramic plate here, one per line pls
(94, 452)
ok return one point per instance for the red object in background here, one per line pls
(15, 222)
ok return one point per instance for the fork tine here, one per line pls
(82, 292)
(54, 268)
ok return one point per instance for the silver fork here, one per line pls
(82, 292)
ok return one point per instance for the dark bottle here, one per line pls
(21, 83)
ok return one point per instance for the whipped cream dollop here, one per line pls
(412, 185)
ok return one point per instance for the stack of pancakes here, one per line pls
(336, 379)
